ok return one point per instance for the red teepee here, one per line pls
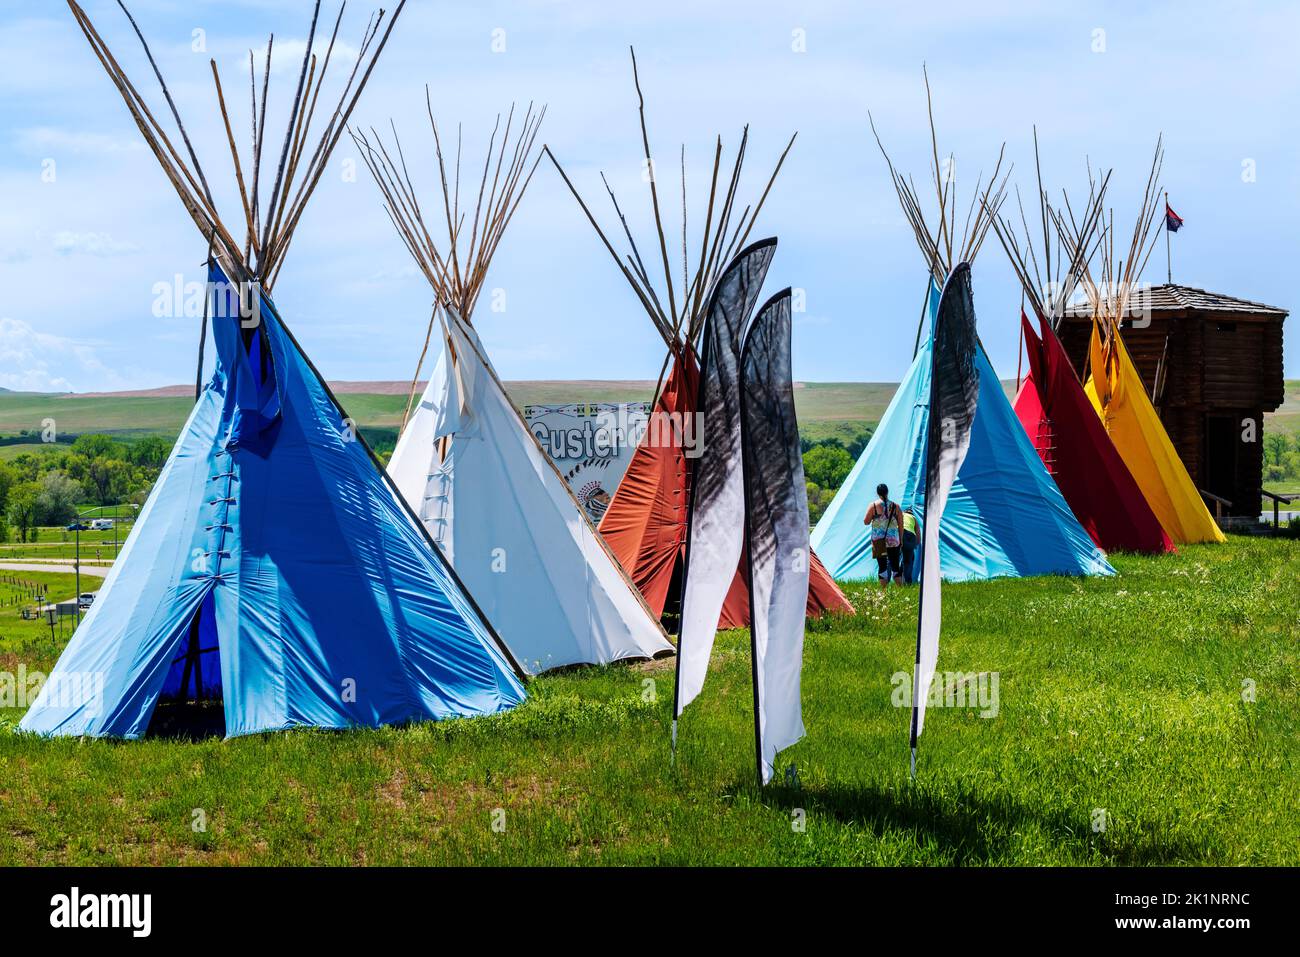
(645, 524)
(1073, 444)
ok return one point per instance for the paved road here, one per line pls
(97, 571)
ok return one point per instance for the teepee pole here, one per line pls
(652, 173)
(203, 325)
(167, 94)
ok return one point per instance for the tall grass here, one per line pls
(1121, 737)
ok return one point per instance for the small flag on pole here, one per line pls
(1173, 222)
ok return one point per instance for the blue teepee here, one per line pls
(274, 568)
(1005, 516)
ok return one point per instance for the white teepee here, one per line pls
(472, 471)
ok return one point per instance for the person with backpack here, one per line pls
(886, 521)
(911, 542)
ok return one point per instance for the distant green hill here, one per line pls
(826, 404)
(826, 409)
(74, 414)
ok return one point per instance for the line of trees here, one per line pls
(1281, 457)
(826, 464)
(49, 487)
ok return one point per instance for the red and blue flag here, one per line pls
(1173, 222)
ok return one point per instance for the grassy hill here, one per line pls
(826, 409)
(1287, 417)
(73, 415)
(818, 401)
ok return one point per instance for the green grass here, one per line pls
(1120, 694)
(73, 414)
(29, 642)
(59, 543)
(1289, 487)
(57, 551)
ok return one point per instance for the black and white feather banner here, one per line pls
(716, 521)
(954, 391)
(776, 530)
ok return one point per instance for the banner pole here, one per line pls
(203, 328)
(930, 432)
(1020, 350)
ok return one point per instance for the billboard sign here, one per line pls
(591, 444)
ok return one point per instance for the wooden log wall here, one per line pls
(1218, 363)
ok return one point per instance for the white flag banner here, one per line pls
(716, 527)
(954, 391)
(777, 530)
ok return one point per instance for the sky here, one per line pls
(89, 227)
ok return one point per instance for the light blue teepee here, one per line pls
(274, 567)
(1005, 515)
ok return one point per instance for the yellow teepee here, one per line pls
(1113, 385)
(1117, 394)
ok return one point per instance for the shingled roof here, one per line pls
(1171, 297)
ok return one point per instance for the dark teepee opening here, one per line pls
(191, 704)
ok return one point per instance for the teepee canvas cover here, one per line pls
(645, 524)
(1051, 404)
(1063, 425)
(1131, 421)
(506, 520)
(271, 526)
(466, 461)
(1004, 517)
(1114, 386)
(272, 563)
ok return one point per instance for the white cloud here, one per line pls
(91, 244)
(44, 140)
(32, 361)
(286, 55)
